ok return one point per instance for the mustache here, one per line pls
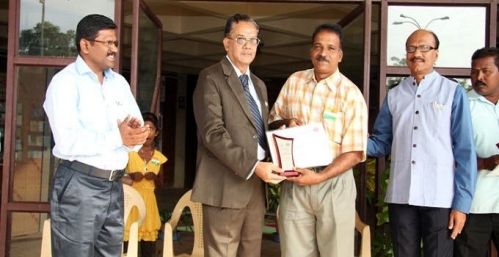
(417, 58)
(480, 84)
(321, 58)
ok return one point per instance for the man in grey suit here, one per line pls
(230, 108)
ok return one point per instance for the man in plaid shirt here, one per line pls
(317, 208)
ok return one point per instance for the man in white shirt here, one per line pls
(483, 221)
(95, 121)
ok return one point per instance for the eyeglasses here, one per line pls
(243, 40)
(421, 48)
(108, 43)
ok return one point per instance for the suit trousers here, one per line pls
(231, 232)
(477, 233)
(411, 224)
(86, 215)
(318, 220)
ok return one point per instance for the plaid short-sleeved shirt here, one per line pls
(335, 102)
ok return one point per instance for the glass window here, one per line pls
(4, 22)
(34, 163)
(147, 63)
(26, 233)
(465, 83)
(47, 27)
(392, 82)
(461, 30)
(126, 40)
(2, 112)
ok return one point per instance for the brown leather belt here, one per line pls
(111, 175)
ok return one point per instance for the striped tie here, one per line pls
(260, 128)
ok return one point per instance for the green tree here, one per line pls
(55, 42)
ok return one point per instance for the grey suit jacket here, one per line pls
(227, 137)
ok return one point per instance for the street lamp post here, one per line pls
(402, 22)
(42, 26)
(435, 19)
(416, 23)
(414, 20)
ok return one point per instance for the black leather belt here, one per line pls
(111, 175)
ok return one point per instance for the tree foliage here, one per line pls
(55, 42)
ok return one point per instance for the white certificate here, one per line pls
(302, 147)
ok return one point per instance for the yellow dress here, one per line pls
(148, 231)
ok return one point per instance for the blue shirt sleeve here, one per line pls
(380, 142)
(463, 151)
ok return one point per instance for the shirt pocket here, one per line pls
(333, 123)
(437, 116)
(116, 108)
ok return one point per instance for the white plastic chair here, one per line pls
(133, 199)
(197, 219)
(46, 250)
(365, 235)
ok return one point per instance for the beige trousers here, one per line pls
(318, 220)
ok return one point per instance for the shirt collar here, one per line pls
(428, 77)
(238, 72)
(82, 68)
(474, 96)
(330, 81)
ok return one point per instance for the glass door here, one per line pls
(142, 56)
(40, 43)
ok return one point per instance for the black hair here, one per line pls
(236, 18)
(151, 117)
(330, 27)
(89, 27)
(487, 52)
